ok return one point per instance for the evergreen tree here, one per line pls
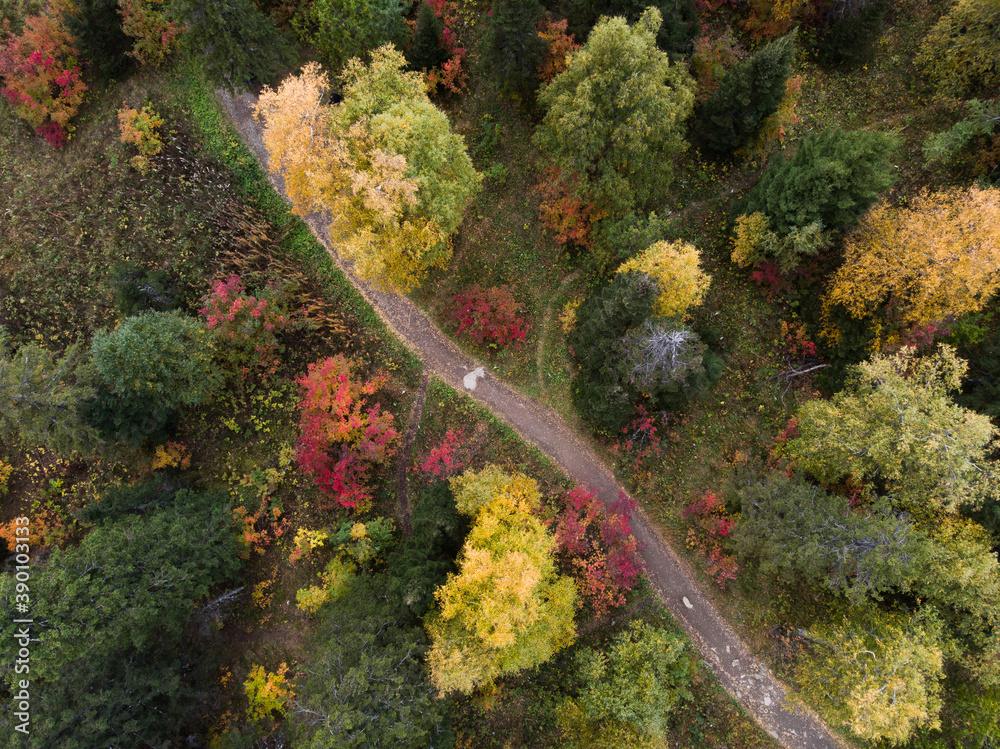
(513, 50)
(96, 25)
(848, 31)
(615, 116)
(793, 527)
(427, 51)
(110, 664)
(833, 178)
(604, 318)
(41, 397)
(748, 93)
(680, 19)
(240, 44)
(344, 29)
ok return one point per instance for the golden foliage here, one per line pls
(933, 261)
(676, 267)
(506, 609)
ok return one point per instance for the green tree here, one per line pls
(513, 51)
(833, 178)
(749, 93)
(506, 609)
(427, 51)
(365, 684)
(635, 684)
(960, 54)
(615, 116)
(344, 29)
(400, 119)
(896, 425)
(878, 674)
(680, 19)
(110, 666)
(793, 527)
(848, 30)
(237, 44)
(163, 356)
(41, 396)
(604, 319)
(96, 26)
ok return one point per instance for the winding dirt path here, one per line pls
(742, 675)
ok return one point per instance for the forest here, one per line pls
(747, 250)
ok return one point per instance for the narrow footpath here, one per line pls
(742, 675)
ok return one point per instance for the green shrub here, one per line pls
(616, 241)
(748, 93)
(162, 356)
(834, 177)
(140, 290)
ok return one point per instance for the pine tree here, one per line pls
(96, 25)
(833, 178)
(427, 51)
(244, 45)
(749, 93)
(513, 50)
(680, 19)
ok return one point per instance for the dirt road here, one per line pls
(739, 672)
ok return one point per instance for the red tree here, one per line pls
(341, 436)
(597, 544)
(41, 78)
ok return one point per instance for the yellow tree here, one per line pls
(384, 165)
(506, 609)
(933, 261)
(676, 268)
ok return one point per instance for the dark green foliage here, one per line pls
(680, 19)
(96, 26)
(110, 666)
(140, 290)
(365, 686)
(749, 92)
(793, 527)
(238, 44)
(848, 32)
(422, 561)
(130, 420)
(158, 493)
(970, 718)
(834, 177)
(513, 50)
(603, 319)
(427, 51)
(618, 241)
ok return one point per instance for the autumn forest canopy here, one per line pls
(748, 250)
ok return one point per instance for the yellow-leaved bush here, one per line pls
(384, 165)
(933, 261)
(506, 609)
(676, 268)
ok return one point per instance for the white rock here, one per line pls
(767, 700)
(470, 379)
(687, 602)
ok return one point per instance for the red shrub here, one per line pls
(598, 547)
(41, 79)
(710, 525)
(451, 75)
(441, 461)
(245, 323)
(488, 316)
(340, 436)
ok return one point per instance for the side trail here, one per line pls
(739, 672)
